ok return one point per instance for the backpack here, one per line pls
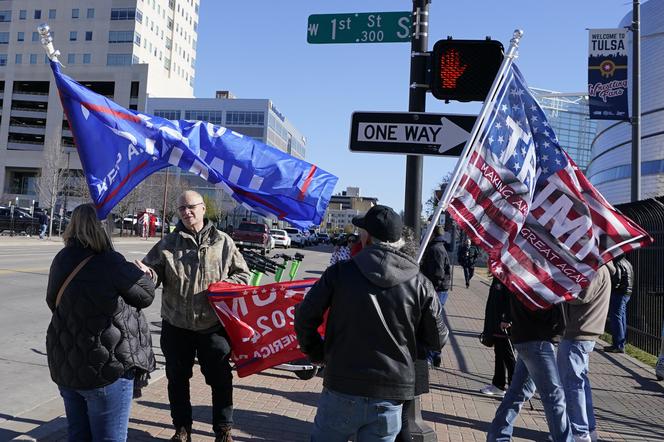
(619, 279)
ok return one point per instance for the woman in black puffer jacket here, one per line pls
(98, 340)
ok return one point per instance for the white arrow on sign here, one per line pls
(454, 135)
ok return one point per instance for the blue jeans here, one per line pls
(535, 368)
(442, 297)
(618, 319)
(341, 415)
(42, 231)
(573, 360)
(99, 414)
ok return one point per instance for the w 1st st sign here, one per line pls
(410, 133)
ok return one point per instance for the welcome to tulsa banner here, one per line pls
(607, 74)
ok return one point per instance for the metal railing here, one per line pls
(645, 311)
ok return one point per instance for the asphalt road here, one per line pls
(24, 317)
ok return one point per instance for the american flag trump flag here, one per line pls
(523, 200)
(120, 147)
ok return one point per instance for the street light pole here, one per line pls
(636, 101)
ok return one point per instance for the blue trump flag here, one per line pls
(119, 148)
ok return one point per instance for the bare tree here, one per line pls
(52, 179)
(436, 194)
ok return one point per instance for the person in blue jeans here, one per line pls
(585, 318)
(622, 281)
(379, 309)
(98, 342)
(435, 265)
(534, 334)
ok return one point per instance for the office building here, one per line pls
(126, 50)
(610, 168)
(567, 114)
(344, 206)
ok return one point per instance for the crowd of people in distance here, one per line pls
(374, 288)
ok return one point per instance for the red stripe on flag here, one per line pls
(307, 181)
(122, 183)
(108, 110)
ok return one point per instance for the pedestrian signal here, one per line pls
(464, 70)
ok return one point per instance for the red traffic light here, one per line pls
(464, 70)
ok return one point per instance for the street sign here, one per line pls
(366, 27)
(410, 133)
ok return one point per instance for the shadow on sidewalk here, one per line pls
(461, 422)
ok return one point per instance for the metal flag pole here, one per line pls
(471, 144)
(47, 42)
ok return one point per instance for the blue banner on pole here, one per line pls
(607, 74)
(119, 148)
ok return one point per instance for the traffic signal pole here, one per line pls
(416, 103)
(420, 431)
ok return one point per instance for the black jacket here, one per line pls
(497, 310)
(380, 308)
(536, 325)
(468, 255)
(436, 265)
(98, 331)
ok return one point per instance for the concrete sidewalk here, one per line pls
(276, 406)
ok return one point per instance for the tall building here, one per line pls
(568, 116)
(346, 205)
(610, 168)
(126, 50)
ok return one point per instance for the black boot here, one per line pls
(223, 434)
(182, 434)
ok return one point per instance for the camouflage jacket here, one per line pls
(186, 264)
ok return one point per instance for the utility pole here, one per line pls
(163, 211)
(636, 101)
(417, 103)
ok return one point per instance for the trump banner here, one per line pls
(259, 321)
(521, 198)
(607, 74)
(120, 147)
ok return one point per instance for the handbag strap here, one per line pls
(70, 277)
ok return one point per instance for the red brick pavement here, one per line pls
(276, 406)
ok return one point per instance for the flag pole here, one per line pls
(471, 144)
(47, 42)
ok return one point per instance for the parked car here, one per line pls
(250, 235)
(297, 240)
(323, 238)
(20, 222)
(281, 238)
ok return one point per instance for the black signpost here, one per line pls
(411, 133)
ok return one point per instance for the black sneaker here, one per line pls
(613, 349)
(182, 434)
(436, 361)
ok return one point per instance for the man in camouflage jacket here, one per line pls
(186, 262)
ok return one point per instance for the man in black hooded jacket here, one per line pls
(380, 308)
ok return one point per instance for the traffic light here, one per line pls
(464, 70)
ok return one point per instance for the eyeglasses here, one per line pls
(188, 206)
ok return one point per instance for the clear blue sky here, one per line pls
(258, 49)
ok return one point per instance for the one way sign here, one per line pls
(410, 133)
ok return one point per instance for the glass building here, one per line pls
(568, 116)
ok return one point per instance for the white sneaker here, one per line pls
(659, 368)
(585, 438)
(593, 436)
(492, 390)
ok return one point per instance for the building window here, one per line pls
(88, 35)
(71, 58)
(137, 39)
(18, 59)
(4, 38)
(3, 59)
(35, 36)
(169, 114)
(123, 14)
(33, 58)
(21, 181)
(75, 13)
(73, 35)
(243, 118)
(118, 59)
(167, 63)
(22, 14)
(51, 14)
(213, 117)
(5, 16)
(37, 14)
(120, 36)
(20, 36)
(86, 58)
(91, 13)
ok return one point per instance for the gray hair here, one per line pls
(396, 245)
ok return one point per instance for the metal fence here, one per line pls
(645, 311)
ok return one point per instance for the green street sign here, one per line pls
(366, 27)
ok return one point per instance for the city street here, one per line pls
(276, 406)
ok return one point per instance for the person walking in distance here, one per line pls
(185, 262)
(585, 318)
(43, 224)
(497, 324)
(467, 256)
(435, 265)
(380, 308)
(622, 282)
(98, 342)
